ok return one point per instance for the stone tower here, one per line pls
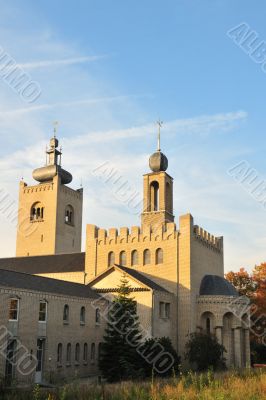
(158, 192)
(50, 213)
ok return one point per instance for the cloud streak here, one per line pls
(60, 62)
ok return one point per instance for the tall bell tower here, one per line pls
(157, 190)
(50, 212)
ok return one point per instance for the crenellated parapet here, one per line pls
(206, 239)
(43, 187)
(135, 234)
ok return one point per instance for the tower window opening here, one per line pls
(208, 326)
(154, 196)
(37, 212)
(134, 258)
(69, 215)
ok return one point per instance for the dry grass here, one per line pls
(245, 385)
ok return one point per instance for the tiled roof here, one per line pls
(29, 282)
(45, 264)
(214, 285)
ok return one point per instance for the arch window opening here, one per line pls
(134, 258)
(111, 259)
(66, 314)
(159, 256)
(154, 196)
(92, 352)
(77, 353)
(146, 257)
(68, 357)
(123, 258)
(82, 316)
(59, 353)
(37, 212)
(69, 215)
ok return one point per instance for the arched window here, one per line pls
(68, 355)
(92, 352)
(154, 196)
(159, 256)
(123, 258)
(97, 316)
(134, 258)
(82, 315)
(111, 259)
(146, 257)
(85, 352)
(59, 353)
(69, 215)
(37, 212)
(77, 353)
(99, 351)
(208, 326)
(66, 313)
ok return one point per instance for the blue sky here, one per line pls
(107, 71)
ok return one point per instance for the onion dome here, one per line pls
(53, 166)
(158, 162)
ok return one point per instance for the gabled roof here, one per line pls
(19, 280)
(136, 275)
(55, 263)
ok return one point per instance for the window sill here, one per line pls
(65, 323)
(33, 221)
(76, 364)
(69, 223)
(82, 323)
(85, 362)
(59, 365)
(97, 324)
(68, 364)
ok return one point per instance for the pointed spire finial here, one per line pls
(55, 123)
(160, 123)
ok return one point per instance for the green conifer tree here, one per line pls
(119, 359)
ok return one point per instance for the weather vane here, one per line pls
(160, 124)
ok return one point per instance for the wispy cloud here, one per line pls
(201, 125)
(25, 110)
(60, 62)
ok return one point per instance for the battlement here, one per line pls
(134, 234)
(41, 187)
(216, 243)
(72, 192)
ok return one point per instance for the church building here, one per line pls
(175, 269)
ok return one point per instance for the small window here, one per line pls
(42, 311)
(97, 316)
(68, 356)
(77, 353)
(111, 259)
(164, 310)
(134, 258)
(82, 315)
(123, 258)
(161, 309)
(66, 313)
(92, 352)
(167, 310)
(99, 351)
(69, 215)
(159, 256)
(13, 309)
(85, 353)
(146, 257)
(59, 353)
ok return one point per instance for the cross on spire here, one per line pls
(159, 123)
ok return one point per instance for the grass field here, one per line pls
(237, 385)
